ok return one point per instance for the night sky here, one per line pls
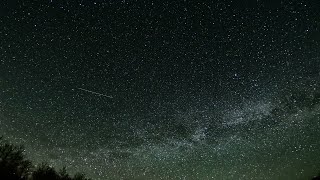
(138, 89)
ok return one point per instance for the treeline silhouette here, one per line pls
(316, 178)
(15, 166)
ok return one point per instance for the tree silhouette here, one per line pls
(14, 166)
(44, 171)
(80, 176)
(12, 161)
(63, 174)
(316, 177)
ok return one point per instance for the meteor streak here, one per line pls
(92, 92)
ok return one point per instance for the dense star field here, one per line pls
(138, 89)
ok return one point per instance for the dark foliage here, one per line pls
(316, 177)
(44, 171)
(14, 166)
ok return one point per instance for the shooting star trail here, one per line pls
(94, 92)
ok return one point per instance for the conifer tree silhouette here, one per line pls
(14, 166)
(44, 171)
(12, 161)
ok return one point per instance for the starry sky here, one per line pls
(163, 89)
